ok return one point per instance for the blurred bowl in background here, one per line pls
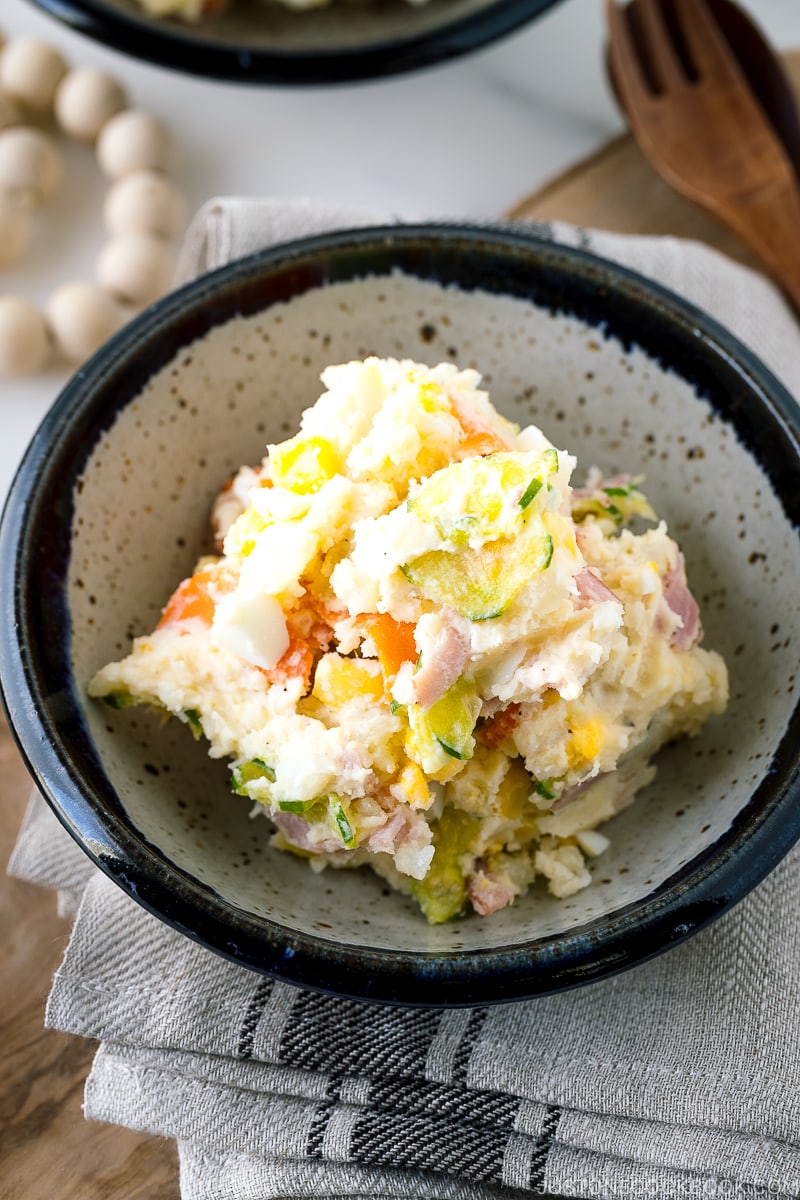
(263, 41)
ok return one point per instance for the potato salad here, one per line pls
(424, 650)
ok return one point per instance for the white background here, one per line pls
(467, 139)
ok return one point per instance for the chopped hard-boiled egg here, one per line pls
(251, 626)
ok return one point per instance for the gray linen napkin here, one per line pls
(678, 1078)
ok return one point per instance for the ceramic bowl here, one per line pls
(262, 41)
(110, 509)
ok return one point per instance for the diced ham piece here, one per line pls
(488, 893)
(386, 839)
(596, 482)
(591, 588)
(296, 831)
(571, 793)
(407, 837)
(581, 537)
(683, 604)
(443, 661)
(356, 769)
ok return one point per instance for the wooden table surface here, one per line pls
(46, 1148)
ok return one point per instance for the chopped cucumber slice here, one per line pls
(330, 809)
(549, 467)
(297, 806)
(341, 821)
(192, 718)
(591, 506)
(550, 460)
(481, 583)
(442, 894)
(546, 788)
(616, 502)
(247, 772)
(481, 499)
(532, 490)
(443, 898)
(119, 699)
(452, 719)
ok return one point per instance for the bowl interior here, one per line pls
(265, 41)
(202, 384)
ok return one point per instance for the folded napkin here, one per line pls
(678, 1078)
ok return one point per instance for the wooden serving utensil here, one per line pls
(695, 116)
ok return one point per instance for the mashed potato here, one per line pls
(424, 650)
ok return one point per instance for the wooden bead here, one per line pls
(15, 230)
(30, 72)
(85, 99)
(81, 317)
(136, 268)
(31, 166)
(133, 141)
(24, 341)
(144, 202)
(10, 113)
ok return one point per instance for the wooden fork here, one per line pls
(696, 119)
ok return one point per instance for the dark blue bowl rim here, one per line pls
(698, 893)
(177, 49)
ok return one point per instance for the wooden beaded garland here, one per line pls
(142, 214)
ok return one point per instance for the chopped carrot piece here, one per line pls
(394, 642)
(479, 438)
(296, 662)
(500, 726)
(190, 600)
(308, 636)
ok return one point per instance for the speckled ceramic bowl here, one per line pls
(110, 510)
(262, 41)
